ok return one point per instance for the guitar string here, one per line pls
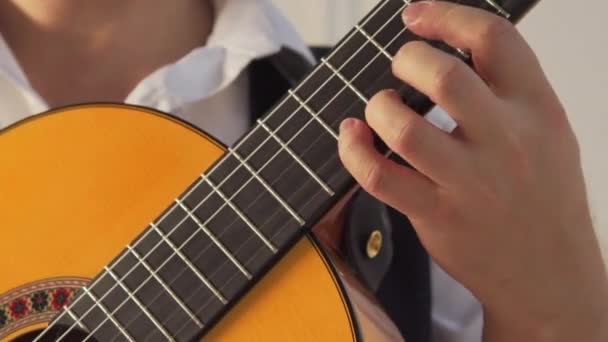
(244, 139)
(303, 128)
(293, 164)
(335, 120)
(334, 154)
(308, 181)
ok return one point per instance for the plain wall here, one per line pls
(571, 41)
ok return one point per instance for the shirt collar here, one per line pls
(244, 30)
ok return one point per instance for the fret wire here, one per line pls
(58, 318)
(144, 281)
(262, 124)
(314, 114)
(349, 36)
(165, 287)
(284, 146)
(259, 178)
(374, 42)
(230, 279)
(143, 308)
(248, 135)
(108, 316)
(339, 92)
(76, 319)
(251, 132)
(285, 99)
(243, 217)
(388, 153)
(189, 264)
(348, 83)
(499, 9)
(213, 238)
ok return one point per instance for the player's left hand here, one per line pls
(501, 204)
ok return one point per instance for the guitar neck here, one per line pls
(234, 223)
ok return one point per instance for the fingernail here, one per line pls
(347, 124)
(413, 13)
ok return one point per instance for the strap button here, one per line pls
(374, 244)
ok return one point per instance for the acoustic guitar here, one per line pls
(79, 184)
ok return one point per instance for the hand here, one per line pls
(500, 204)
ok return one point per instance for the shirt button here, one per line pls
(374, 244)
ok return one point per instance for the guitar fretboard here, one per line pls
(223, 233)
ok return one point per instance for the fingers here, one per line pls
(500, 53)
(400, 187)
(450, 83)
(432, 152)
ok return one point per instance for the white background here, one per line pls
(571, 40)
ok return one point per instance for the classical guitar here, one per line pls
(79, 184)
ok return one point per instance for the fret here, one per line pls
(211, 261)
(295, 185)
(108, 315)
(272, 163)
(159, 302)
(255, 174)
(313, 113)
(374, 42)
(68, 324)
(286, 147)
(196, 245)
(232, 230)
(139, 304)
(236, 236)
(180, 278)
(347, 82)
(149, 290)
(499, 9)
(315, 147)
(377, 76)
(243, 217)
(90, 314)
(350, 59)
(215, 240)
(190, 265)
(166, 287)
(388, 10)
(293, 178)
(395, 35)
(161, 218)
(336, 105)
(76, 320)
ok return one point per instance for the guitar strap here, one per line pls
(399, 274)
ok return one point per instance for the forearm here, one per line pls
(592, 327)
(581, 316)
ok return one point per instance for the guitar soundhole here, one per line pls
(52, 335)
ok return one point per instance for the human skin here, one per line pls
(75, 51)
(501, 203)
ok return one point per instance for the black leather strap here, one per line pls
(271, 77)
(365, 216)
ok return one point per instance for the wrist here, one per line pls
(589, 323)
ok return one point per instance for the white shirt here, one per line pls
(209, 88)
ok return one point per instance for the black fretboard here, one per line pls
(235, 222)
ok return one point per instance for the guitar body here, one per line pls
(79, 184)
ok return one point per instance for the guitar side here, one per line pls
(79, 184)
